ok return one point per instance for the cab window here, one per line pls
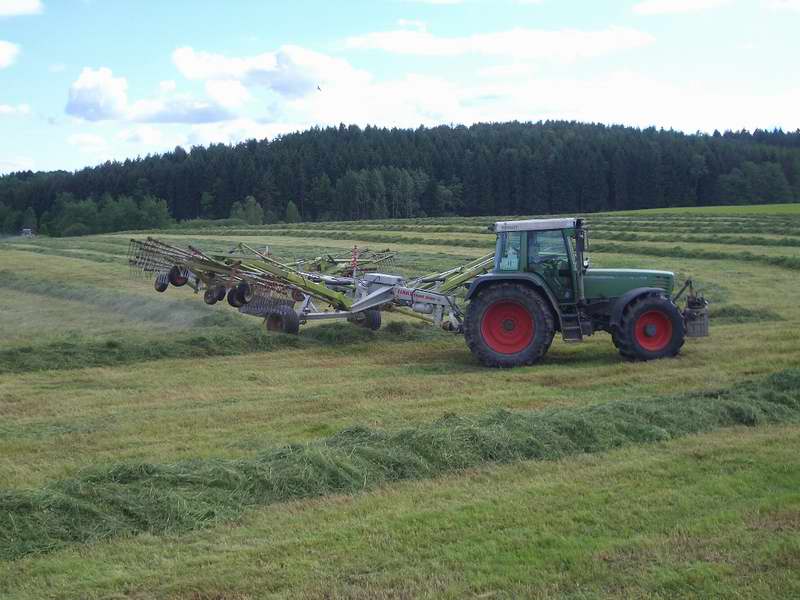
(546, 246)
(509, 247)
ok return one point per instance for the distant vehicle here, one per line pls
(27, 233)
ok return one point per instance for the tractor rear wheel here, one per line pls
(651, 327)
(283, 319)
(508, 325)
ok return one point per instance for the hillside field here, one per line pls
(152, 446)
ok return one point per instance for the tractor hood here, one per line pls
(612, 283)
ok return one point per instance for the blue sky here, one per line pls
(84, 81)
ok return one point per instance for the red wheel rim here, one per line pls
(653, 330)
(507, 327)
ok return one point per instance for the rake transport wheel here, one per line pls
(651, 327)
(233, 298)
(508, 325)
(283, 319)
(220, 292)
(161, 283)
(210, 296)
(371, 319)
(245, 291)
(177, 277)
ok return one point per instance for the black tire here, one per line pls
(220, 291)
(210, 296)
(508, 325)
(161, 283)
(651, 327)
(177, 276)
(370, 319)
(233, 298)
(245, 292)
(284, 320)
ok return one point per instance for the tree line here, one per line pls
(347, 172)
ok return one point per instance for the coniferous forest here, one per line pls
(353, 173)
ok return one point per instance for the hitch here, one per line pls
(695, 315)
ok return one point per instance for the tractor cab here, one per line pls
(544, 247)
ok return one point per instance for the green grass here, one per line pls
(127, 499)
(98, 373)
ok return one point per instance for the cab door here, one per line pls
(548, 256)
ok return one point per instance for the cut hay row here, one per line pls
(216, 334)
(127, 499)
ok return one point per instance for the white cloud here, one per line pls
(98, 96)
(413, 23)
(8, 54)
(792, 5)
(665, 7)
(440, 2)
(146, 135)
(14, 8)
(229, 93)
(179, 108)
(504, 71)
(291, 71)
(87, 142)
(237, 130)
(19, 109)
(12, 165)
(626, 98)
(564, 44)
(166, 87)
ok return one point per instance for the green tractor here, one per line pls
(542, 283)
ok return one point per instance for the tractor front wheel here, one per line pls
(651, 327)
(508, 325)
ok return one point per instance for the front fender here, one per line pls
(620, 303)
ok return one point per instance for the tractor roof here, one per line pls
(534, 225)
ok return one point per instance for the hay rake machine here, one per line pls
(537, 281)
(335, 287)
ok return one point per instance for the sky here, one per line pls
(86, 81)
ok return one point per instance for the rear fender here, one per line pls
(531, 279)
(620, 303)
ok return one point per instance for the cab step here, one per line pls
(572, 328)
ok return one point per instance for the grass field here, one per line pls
(155, 447)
